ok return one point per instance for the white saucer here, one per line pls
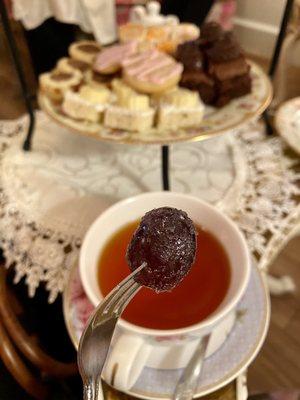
(287, 122)
(239, 350)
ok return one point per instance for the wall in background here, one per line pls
(257, 25)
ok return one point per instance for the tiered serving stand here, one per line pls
(215, 122)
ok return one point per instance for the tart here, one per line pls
(55, 83)
(84, 50)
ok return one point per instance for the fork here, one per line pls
(96, 338)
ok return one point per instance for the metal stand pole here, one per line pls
(276, 53)
(165, 167)
(20, 73)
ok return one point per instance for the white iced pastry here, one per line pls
(179, 108)
(131, 111)
(87, 104)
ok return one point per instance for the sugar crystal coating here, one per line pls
(166, 241)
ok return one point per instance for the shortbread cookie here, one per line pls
(110, 58)
(151, 71)
(87, 104)
(131, 111)
(70, 65)
(55, 83)
(180, 108)
(85, 51)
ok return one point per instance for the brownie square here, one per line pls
(210, 33)
(225, 70)
(232, 88)
(201, 82)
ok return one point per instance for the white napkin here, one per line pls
(92, 16)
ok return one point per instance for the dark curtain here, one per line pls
(193, 11)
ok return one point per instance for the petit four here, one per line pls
(86, 104)
(180, 108)
(131, 111)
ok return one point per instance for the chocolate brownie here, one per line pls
(232, 88)
(190, 55)
(228, 69)
(210, 32)
(201, 82)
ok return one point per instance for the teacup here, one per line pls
(135, 347)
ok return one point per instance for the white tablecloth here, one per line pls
(93, 16)
(49, 196)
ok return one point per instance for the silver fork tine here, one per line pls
(119, 291)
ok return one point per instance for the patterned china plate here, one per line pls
(287, 122)
(240, 348)
(216, 120)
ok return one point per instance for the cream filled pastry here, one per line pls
(131, 111)
(87, 104)
(151, 71)
(110, 59)
(180, 108)
(84, 50)
(55, 83)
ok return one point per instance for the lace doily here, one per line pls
(50, 195)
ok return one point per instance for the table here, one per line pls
(50, 196)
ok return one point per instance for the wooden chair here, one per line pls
(20, 351)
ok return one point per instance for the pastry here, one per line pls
(95, 79)
(131, 32)
(166, 242)
(229, 69)
(68, 65)
(86, 104)
(165, 37)
(226, 59)
(194, 76)
(233, 88)
(55, 83)
(85, 51)
(180, 108)
(109, 60)
(201, 82)
(131, 111)
(151, 71)
(210, 33)
(185, 32)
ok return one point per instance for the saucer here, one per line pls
(238, 351)
(287, 122)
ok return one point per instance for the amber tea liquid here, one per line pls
(194, 299)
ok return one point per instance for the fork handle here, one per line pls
(93, 391)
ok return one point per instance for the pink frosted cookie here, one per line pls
(109, 60)
(151, 71)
